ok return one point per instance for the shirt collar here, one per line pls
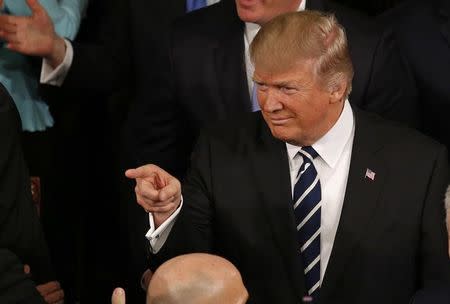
(332, 144)
(251, 29)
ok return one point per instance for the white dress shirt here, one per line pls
(332, 165)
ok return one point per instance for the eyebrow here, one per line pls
(282, 83)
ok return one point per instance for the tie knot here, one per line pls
(309, 152)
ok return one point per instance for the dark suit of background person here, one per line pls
(15, 286)
(372, 7)
(86, 121)
(423, 32)
(390, 241)
(20, 230)
(439, 294)
(114, 60)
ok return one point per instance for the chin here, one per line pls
(248, 16)
(280, 134)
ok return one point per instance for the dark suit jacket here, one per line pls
(439, 294)
(15, 287)
(423, 32)
(391, 238)
(20, 230)
(200, 78)
(112, 66)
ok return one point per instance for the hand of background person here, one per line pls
(118, 296)
(33, 35)
(51, 291)
(157, 191)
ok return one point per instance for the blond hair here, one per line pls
(294, 38)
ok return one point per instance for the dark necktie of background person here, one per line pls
(307, 201)
(192, 5)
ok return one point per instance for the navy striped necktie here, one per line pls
(192, 5)
(307, 201)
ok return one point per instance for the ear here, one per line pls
(337, 91)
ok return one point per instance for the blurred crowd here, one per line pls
(104, 86)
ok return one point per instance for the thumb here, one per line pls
(35, 6)
(118, 296)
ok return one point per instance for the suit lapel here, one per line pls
(444, 20)
(269, 164)
(361, 200)
(230, 64)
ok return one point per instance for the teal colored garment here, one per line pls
(15, 69)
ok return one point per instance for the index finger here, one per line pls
(143, 171)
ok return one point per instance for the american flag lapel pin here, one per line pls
(370, 174)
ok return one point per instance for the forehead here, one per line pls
(301, 71)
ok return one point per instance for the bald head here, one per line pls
(197, 278)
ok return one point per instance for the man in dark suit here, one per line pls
(20, 230)
(203, 76)
(422, 29)
(311, 197)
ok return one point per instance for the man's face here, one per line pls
(262, 11)
(297, 109)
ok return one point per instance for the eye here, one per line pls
(261, 86)
(288, 90)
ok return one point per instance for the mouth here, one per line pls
(246, 3)
(279, 121)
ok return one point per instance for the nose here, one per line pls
(269, 101)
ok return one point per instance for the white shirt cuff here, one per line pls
(157, 237)
(56, 76)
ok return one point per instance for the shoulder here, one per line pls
(240, 131)
(409, 16)
(396, 137)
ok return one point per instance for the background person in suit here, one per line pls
(20, 230)
(193, 278)
(197, 278)
(311, 196)
(422, 29)
(439, 294)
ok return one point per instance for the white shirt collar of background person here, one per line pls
(251, 29)
(332, 165)
(211, 2)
